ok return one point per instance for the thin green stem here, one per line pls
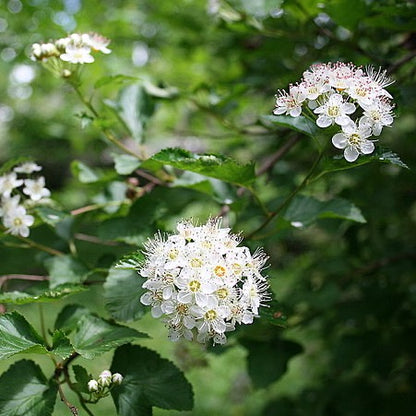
(108, 134)
(33, 244)
(289, 198)
(42, 323)
(259, 202)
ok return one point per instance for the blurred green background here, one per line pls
(349, 289)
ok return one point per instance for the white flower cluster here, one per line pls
(100, 387)
(76, 48)
(351, 97)
(13, 211)
(202, 282)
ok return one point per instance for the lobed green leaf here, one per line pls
(122, 292)
(213, 166)
(95, 336)
(65, 270)
(25, 391)
(268, 360)
(40, 295)
(304, 210)
(17, 335)
(149, 380)
(300, 124)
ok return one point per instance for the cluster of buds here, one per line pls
(105, 382)
(18, 194)
(201, 282)
(60, 55)
(342, 94)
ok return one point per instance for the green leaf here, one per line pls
(69, 316)
(381, 155)
(304, 210)
(135, 227)
(65, 270)
(40, 295)
(84, 173)
(300, 124)
(25, 391)
(122, 292)
(259, 8)
(357, 10)
(274, 313)
(131, 261)
(126, 164)
(61, 346)
(95, 336)
(134, 107)
(267, 360)
(82, 377)
(149, 380)
(17, 335)
(60, 221)
(114, 79)
(213, 166)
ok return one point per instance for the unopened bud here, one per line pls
(117, 378)
(104, 379)
(93, 385)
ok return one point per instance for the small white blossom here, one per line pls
(353, 140)
(35, 188)
(378, 115)
(17, 221)
(196, 281)
(335, 110)
(76, 54)
(8, 183)
(28, 168)
(96, 42)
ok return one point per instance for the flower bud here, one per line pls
(93, 385)
(104, 379)
(117, 378)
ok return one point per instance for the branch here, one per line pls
(275, 157)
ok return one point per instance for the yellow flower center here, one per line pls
(354, 139)
(219, 271)
(195, 262)
(173, 254)
(333, 111)
(17, 222)
(182, 309)
(194, 286)
(222, 293)
(210, 315)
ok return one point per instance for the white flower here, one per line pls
(8, 183)
(353, 140)
(28, 168)
(290, 104)
(35, 188)
(196, 279)
(93, 386)
(17, 221)
(334, 110)
(96, 42)
(378, 115)
(77, 54)
(9, 204)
